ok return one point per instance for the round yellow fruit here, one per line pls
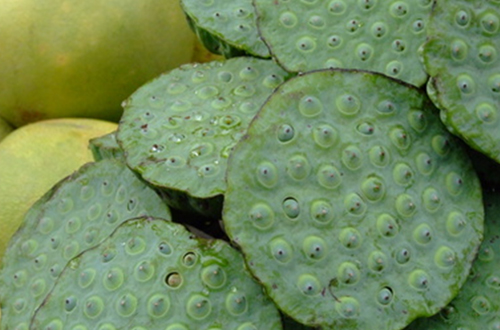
(69, 58)
(35, 157)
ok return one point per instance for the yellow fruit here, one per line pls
(5, 129)
(35, 157)
(68, 58)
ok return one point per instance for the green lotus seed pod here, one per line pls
(462, 59)
(477, 304)
(367, 232)
(74, 216)
(381, 36)
(178, 130)
(225, 27)
(200, 284)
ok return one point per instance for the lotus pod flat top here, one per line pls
(352, 203)
(462, 57)
(381, 36)
(477, 305)
(231, 21)
(75, 215)
(178, 130)
(153, 274)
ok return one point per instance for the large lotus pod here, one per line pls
(462, 57)
(178, 130)
(381, 36)
(106, 146)
(477, 305)
(153, 274)
(75, 215)
(226, 27)
(354, 206)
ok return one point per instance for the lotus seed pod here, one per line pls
(159, 276)
(477, 304)
(106, 146)
(226, 27)
(178, 130)
(382, 36)
(74, 216)
(383, 223)
(462, 59)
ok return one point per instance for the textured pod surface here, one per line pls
(381, 36)
(105, 147)
(75, 215)
(178, 130)
(462, 57)
(226, 26)
(155, 274)
(367, 216)
(477, 305)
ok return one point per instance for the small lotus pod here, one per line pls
(160, 276)
(384, 225)
(381, 36)
(75, 215)
(225, 27)
(462, 57)
(106, 146)
(477, 305)
(178, 130)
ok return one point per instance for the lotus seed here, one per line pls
(325, 136)
(113, 279)
(281, 250)
(348, 273)
(93, 307)
(144, 271)
(387, 225)
(379, 156)
(158, 305)
(189, 259)
(354, 204)
(291, 207)
(126, 305)
(236, 303)
(173, 280)
(309, 285)
(348, 307)
(314, 247)
(198, 307)
(261, 216)
(350, 238)
(298, 167)
(267, 174)
(214, 276)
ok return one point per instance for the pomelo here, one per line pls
(69, 58)
(35, 157)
